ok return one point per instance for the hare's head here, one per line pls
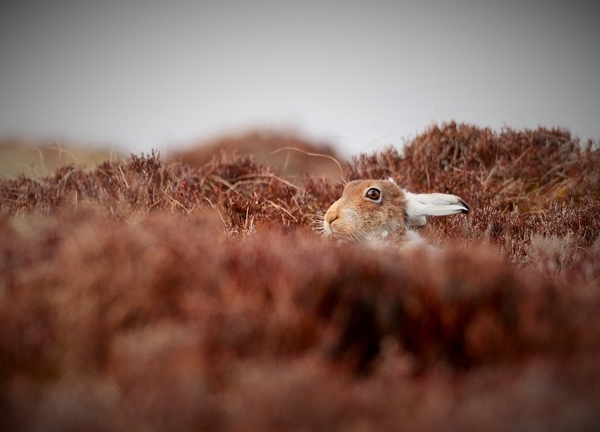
(369, 210)
(379, 210)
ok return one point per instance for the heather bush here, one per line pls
(525, 170)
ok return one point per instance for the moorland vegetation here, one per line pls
(152, 295)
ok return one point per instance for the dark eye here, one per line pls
(373, 194)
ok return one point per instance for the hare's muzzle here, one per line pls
(330, 217)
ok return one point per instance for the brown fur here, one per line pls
(355, 217)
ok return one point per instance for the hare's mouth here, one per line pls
(349, 237)
(337, 236)
(329, 232)
(336, 228)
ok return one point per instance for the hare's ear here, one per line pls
(420, 205)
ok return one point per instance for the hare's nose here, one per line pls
(330, 216)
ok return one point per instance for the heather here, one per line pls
(145, 294)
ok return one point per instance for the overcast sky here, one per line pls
(360, 74)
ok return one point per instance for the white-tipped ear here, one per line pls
(436, 204)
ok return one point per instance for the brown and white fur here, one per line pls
(381, 211)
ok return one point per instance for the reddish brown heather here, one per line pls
(242, 192)
(141, 295)
(525, 170)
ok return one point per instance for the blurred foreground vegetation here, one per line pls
(144, 295)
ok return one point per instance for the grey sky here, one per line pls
(143, 74)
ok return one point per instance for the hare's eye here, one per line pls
(374, 194)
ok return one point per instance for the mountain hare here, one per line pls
(380, 210)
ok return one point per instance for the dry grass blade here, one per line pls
(344, 181)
